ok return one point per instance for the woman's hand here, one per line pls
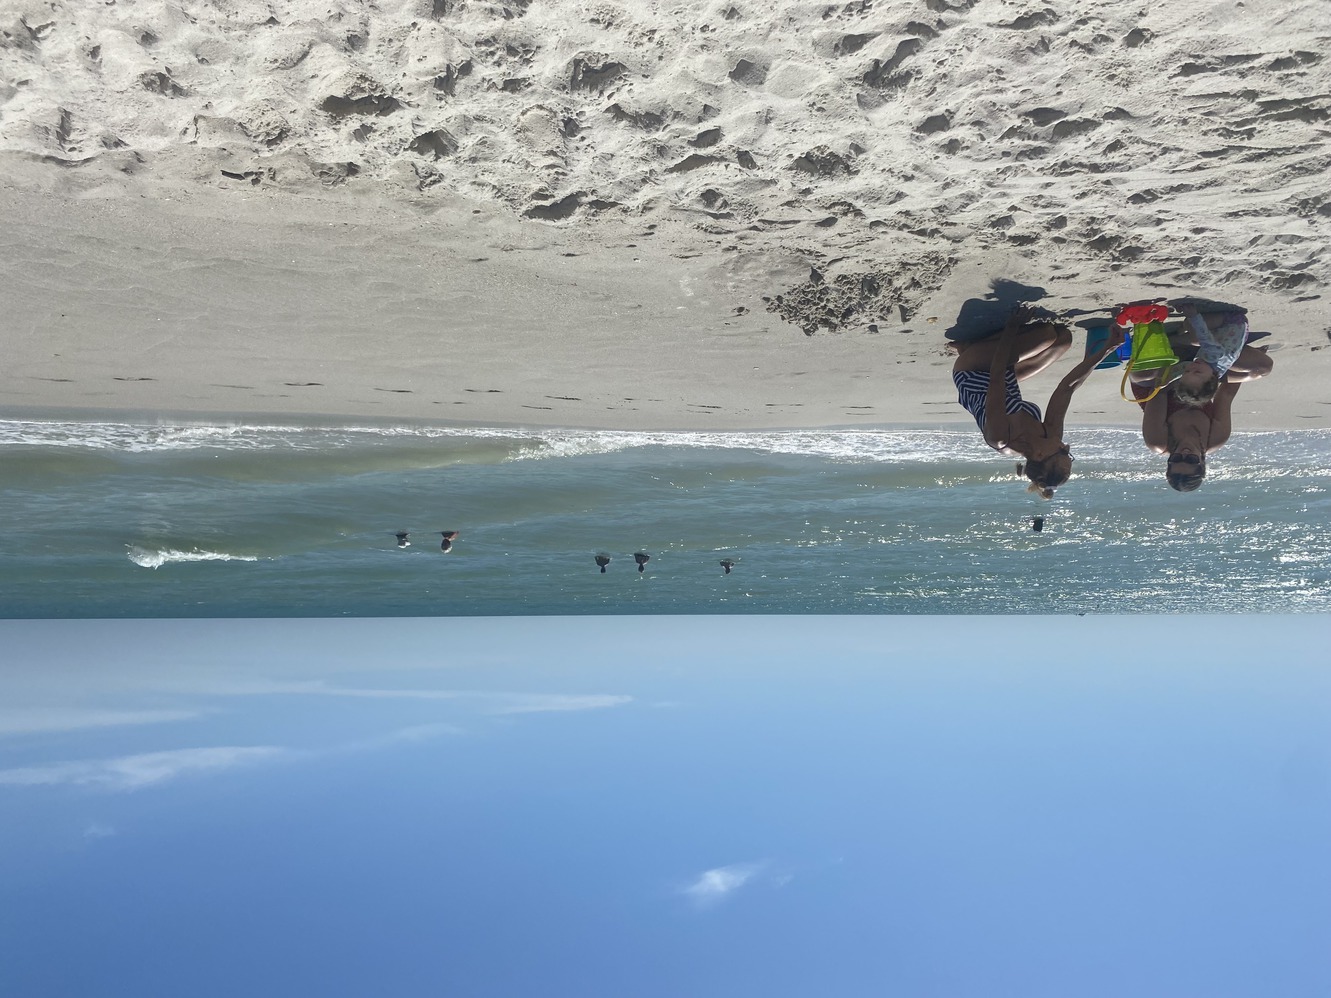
(1018, 317)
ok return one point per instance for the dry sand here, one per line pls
(608, 215)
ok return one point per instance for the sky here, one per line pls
(666, 806)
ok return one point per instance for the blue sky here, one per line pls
(666, 806)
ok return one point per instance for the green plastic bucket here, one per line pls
(1151, 350)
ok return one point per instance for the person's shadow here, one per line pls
(980, 318)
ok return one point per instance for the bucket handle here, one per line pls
(1161, 381)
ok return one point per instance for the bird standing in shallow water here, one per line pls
(402, 541)
(449, 537)
(602, 560)
(642, 560)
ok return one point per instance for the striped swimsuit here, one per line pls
(973, 387)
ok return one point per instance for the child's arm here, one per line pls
(1196, 323)
(1059, 401)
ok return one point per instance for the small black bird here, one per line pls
(602, 560)
(449, 537)
(727, 564)
(402, 541)
(642, 560)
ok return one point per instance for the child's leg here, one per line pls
(1214, 320)
(1252, 363)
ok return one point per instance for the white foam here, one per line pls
(145, 558)
(847, 445)
(850, 445)
(138, 438)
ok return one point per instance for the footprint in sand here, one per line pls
(1026, 22)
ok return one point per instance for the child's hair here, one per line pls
(1045, 476)
(1199, 396)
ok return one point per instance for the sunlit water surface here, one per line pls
(108, 519)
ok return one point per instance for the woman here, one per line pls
(1188, 421)
(987, 373)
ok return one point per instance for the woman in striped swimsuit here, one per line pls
(987, 373)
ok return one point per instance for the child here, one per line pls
(1220, 340)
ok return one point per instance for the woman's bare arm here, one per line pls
(995, 400)
(1221, 424)
(1155, 432)
(1057, 410)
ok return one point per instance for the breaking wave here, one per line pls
(146, 558)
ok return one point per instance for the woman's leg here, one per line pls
(1040, 345)
(1032, 364)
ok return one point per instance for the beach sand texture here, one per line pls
(640, 215)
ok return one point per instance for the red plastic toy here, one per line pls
(1135, 314)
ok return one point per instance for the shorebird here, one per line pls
(402, 541)
(449, 537)
(602, 560)
(727, 564)
(642, 560)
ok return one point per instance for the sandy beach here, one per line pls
(631, 216)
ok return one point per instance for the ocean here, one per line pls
(106, 519)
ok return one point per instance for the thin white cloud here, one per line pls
(413, 735)
(45, 720)
(319, 688)
(420, 733)
(491, 702)
(97, 830)
(714, 886)
(133, 772)
(532, 703)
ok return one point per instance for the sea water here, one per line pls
(106, 519)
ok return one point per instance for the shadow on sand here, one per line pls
(980, 318)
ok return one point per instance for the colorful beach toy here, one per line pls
(1096, 338)
(1151, 351)
(1135, 315)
